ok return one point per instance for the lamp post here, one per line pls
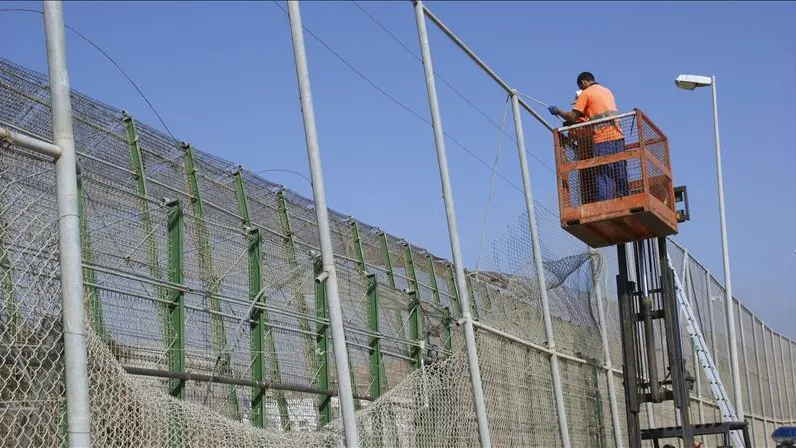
(691, 82)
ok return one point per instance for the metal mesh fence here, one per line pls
(208, 329)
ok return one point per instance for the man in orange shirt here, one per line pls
(594, 103)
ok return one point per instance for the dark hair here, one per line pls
(585, 76)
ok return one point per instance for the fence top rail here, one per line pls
(436, 20)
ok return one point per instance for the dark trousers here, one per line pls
(611, 178)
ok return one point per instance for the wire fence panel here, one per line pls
(32, 390)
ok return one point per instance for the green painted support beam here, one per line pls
(89, 275)
(301, 306)
(446, 320)
(261, 334)
(211, 284)
(378, 376)
(446, 329)
(454, 291)
(415, 313)
(176, 342)
(148, 228)
(322, 341)
(432, 275)
(415, 327)
(385, 251)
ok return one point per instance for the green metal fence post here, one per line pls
(261, 334)
(322, 340)
(454, 291)
(385, 251)
(89, 275)
(211, 283)
(415, 313)
(432, 275)
(301, 306)
(415, 324)
(446, 329)
(377, 375)
(446, 319)
(176, 340)
(148, 228)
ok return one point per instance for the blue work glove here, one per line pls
(554, 110)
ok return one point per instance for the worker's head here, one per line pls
(585, 79)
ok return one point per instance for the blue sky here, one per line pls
(222, 76)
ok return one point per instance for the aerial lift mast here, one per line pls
(627, 199)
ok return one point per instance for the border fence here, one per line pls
(207, 327)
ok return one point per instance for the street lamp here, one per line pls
(691, 82)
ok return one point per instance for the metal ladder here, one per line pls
(705, 359)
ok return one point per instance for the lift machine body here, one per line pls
(615, 188)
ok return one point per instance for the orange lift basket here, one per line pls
(615, 181)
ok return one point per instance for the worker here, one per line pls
(594, 103)
(579, 141)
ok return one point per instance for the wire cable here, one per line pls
(450, 86)
(397, 102)
(491, 185)
(109, 58)
(423, 119)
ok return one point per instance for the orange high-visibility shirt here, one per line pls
(596, 102)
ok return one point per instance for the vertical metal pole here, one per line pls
(176, 342)
(597, 264)
(323, 375)
(792, 376)
(327, 254)
(73, 314)
(745, 367)
(540, 274)
(734, 366)
(759, 375)
(776, 378)
(633, 273)
(768, 371)
(785, 385)
(439, 140)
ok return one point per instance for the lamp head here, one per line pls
(691, 82)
